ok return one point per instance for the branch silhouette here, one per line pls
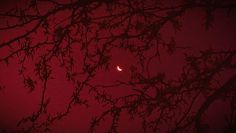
(92, 29)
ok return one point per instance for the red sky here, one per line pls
(16, 101)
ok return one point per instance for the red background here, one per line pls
(16, 101)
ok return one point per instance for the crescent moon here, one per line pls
(118, 68)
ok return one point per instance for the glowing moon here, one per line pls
(118, 68)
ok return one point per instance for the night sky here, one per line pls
(18, 101)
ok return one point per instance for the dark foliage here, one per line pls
(97, 27)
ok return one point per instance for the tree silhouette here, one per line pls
(79, 36)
